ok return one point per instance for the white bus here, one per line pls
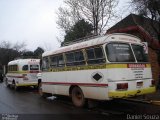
(23, 72)
(101, 68)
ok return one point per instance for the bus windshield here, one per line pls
(139, 53)
(121, 52)
(34, 67)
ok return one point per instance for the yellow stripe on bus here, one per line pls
(116, 65)
(19, 72)
(90, 67)
(148, 65)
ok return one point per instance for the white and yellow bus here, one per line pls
(23, 72)
(101, 68)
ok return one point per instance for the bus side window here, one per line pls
(140, 54)
(53, 61)
(25, 68)
(57, 61)
(98, 53)
(60, 61)
(12, 68)
(79, 58)
(90, 53)
(75, 58)
(45, 63)
(70, 59)
(95, 55)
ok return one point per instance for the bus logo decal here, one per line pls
(97, 76)
(136, 65)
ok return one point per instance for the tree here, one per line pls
(149, 9)
(17, 46)
(79, 30)
(38, 52)
(27, 54)
(10, 51)
(96, 12)
(7, 55)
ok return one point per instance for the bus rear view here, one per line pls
(129, 73)
(23, 72)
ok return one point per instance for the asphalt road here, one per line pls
(26, 104)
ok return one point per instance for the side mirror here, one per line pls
(145, 47)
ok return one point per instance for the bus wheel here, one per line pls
(40, 89)
(15, 87)
(78, 97)
(42, 94)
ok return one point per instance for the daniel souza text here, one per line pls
(142, 117)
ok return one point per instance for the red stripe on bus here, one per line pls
(81, 84)
(16, 76)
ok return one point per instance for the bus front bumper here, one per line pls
(131, 93)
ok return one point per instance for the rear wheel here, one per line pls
(40, 89)
(41, 93)
(15, 87)
(78, 97)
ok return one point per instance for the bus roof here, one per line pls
(123, 37)
(24, 61)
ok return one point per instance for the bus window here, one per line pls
(25, 68)
(139, 53)
(75, 58)
(119, 52)
(90, 53)
(60, 61)
(34, 67)
(53, 61)
(95, 55)
(99, 53)
(79, 58)
(70, 59)
(12, 68)
(45, 63)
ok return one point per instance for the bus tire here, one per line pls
(15, 87)
(78, 98)
(40, 89)
(41, 93)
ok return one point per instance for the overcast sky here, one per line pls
(31, 21)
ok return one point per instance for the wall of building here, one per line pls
(153, 58)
